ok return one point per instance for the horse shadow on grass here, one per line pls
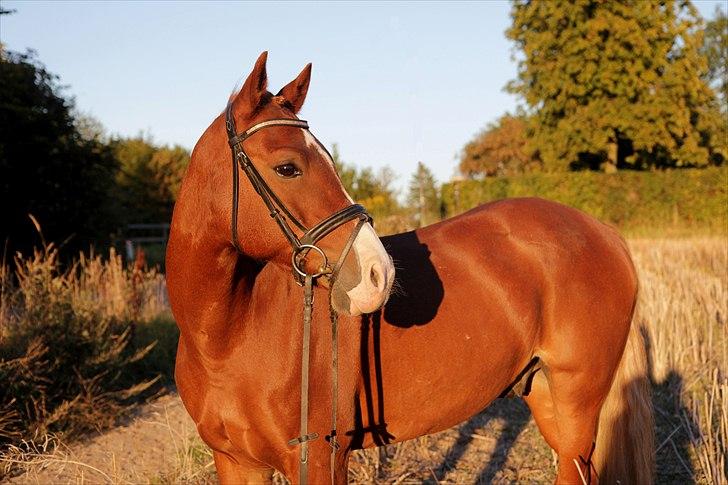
(516, 415)
(673, 425)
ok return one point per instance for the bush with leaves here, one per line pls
(499, 150)
(672, 202)
(48, 168)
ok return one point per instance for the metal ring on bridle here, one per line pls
(294, 259)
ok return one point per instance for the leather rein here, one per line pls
(300, 248)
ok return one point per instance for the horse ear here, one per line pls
(255, 86)
(295, 91)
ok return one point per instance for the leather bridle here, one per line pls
(300, 248)
(277, 209)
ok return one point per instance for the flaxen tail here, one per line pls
(625, 447)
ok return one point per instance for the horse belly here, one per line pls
(435, 376)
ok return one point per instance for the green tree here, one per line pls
(615, 84)
(347, 173)
(377, 194)
(715, 49)
(423, 196)
(48, 169)
(500, 149)
(373, 190)
(148, 179)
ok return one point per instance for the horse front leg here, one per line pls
(318, 470)
(231, 472)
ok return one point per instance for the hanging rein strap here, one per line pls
(334, 316)
(305, 437)
(308, 301)
(301, 247)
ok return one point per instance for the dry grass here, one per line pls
(38, 454)
(193, 461)
(69, 359)
(683, 309)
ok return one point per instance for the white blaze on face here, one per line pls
(377, 270)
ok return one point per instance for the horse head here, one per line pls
(298, 173)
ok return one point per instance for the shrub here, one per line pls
(69, 358)
(639, 203)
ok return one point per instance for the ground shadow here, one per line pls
(672, 437)
(673, 425)
(516, 415)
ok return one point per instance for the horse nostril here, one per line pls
(377, 276)
(374, 277)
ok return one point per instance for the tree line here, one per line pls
(628, 84)
(84, 187)
(81, 185)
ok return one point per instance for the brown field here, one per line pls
(683, 310)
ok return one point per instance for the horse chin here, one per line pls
(355, 309)
(343, 303)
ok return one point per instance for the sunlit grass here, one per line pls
(75, 353)
(683, 308)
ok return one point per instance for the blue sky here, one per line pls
(392, 84)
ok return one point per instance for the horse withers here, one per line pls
(518, 294)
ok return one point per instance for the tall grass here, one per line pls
(683, 307)
(683, 310)
(69, 358)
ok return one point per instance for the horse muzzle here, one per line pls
(366, 280)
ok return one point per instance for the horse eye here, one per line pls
(287, 170)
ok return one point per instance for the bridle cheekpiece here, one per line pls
(278, 210)
(300, 248)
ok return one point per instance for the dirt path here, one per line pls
(145, 448)
(159, 445)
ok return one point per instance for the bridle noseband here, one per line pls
(278, 210)
(300, 248)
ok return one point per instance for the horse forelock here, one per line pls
(266, 100)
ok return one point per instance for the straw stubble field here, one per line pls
(682, 310)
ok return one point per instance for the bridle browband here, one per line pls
(300, 248)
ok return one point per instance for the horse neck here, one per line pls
(209, 282)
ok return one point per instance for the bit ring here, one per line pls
(295, 261)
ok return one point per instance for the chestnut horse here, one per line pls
(522, 295)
